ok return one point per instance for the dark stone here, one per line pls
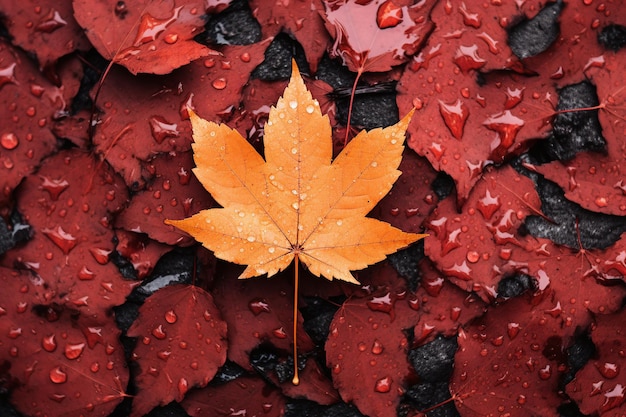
(278, 56)
(597, 230)
(233, 26)
(434, 360)
(613, 37)
(531, 37)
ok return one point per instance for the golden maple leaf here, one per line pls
(296, 203)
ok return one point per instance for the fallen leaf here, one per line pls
(242, 397)
(182, 344)
(296, 203)
(144, 36)
(599, 387)
(54, 354)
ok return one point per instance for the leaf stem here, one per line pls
(352, 93)
(296, 378)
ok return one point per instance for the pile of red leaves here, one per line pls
(90, 169)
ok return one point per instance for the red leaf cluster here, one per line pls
(95, 184)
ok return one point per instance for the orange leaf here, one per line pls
(297, 203)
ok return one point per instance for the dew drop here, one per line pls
(258, 306)
(454, 116)
(164, 354)
(183, 386)
(271, 249)
(9, 141)
(293, 104)
(73, 350)
(280, 333)
(170, 316)
(310, 109)
(159, 332)
(219, 83)
(377, 347)
(251, 239)
(65, 241)
(161, 129)
(58, 376)
(383, 385)
(48, 343)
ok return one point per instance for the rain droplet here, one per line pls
(161, 129)
(54, 187)
(73, 350)
(150, 27)
(7, 75)
(159, 332)
(293, 104)
(383, 385)
(467, 58)
(280, 333)
(170, 316)
(164, 354)
(310, 109)
(388, 15)
(9, 141)
(48, 343)
(258, 306)
(57, 375)
(377, 347)
(61, 238)
(51, 22)
(219, 83)
(454, 115)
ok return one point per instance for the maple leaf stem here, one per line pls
(296, 378)
(352, 93)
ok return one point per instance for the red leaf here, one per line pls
(245, 396)
(367, 42)
(150, 37)
(367, 351)
(145, 115)
(257, 311)
(596, 181)
(599, 387)
(501, 365)
(28, 103)
(142, 252)
(301, 19)
(406, 205)
(47, 30)
(462, 126)
(70, 204)
(173, 193)
(182, 344)
(55, 356)
(468, 247)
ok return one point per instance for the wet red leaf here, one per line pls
(257, 311)
(469, 246)
(376, 35)
(143, 253)
(597, 181)
(505, 362)
(182, 343)
(600, 387)
(366, 351)
(46, 29)
(70, 204)
(461, 126)
(172, 193)
(299, 18)
(144, 36)
(245, 396)
(407, 205)
(29, 104)
(145, 115)
(54, 356)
